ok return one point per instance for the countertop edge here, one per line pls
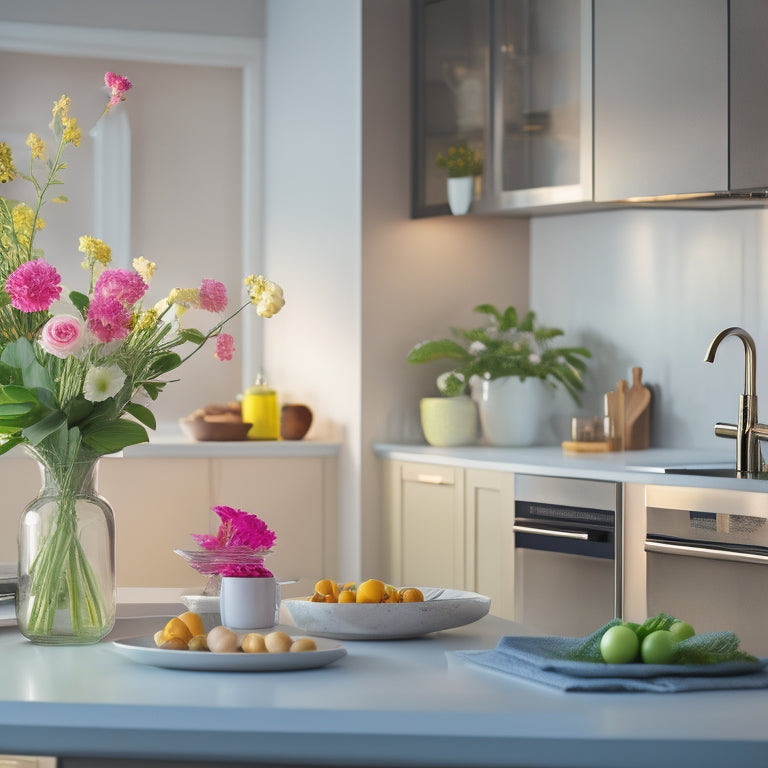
(642, 467)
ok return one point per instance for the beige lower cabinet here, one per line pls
(489, 537)
(158, 502)
(425, 505)
(451, 527)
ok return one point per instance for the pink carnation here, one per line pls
(125, 286)
(225, 346)
(33, 286)
(239, 529)
(118, 85)
(108, 319)
(63, 335)
(213, 295)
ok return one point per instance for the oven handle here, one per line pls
(551, 532)
(692, 550)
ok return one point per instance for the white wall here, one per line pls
(652, 288)
(312, 226)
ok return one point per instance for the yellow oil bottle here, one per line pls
(260, 409)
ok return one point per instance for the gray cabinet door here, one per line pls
(749, 95)
(660, 97)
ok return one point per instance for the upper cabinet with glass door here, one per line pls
(516, 85)
(451, 92)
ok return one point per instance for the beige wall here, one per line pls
(186, 212)
(419, 277)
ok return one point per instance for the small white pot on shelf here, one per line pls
(460, 192)
(248, 602)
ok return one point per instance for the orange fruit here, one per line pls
(392, 595)
(411, 595)
(347, 596)
(327, 588)
(194, 622)
(371, 591)
(176, 628)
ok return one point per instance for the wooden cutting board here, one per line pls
(637, 423)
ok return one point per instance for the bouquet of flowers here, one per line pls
(238, 548)
(78, 370)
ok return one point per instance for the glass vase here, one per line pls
(66, 591)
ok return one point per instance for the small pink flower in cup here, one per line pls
(63, 335)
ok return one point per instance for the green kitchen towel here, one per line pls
(546, 660)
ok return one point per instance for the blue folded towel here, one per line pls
(541, 660)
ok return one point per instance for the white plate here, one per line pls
(448, 608)
(144, 651)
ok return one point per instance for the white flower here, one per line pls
(477, 348)
(534, 358)
(102, 382)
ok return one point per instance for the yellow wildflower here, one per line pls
(23, 218)
(36, 144)
(71, 131)
(185, 298)
(95, 250)
(144, 267)
(147, 318)
(266, 295)
(61, 107)
(60, 199)
(7, 169)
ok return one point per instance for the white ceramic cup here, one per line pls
(248, 602)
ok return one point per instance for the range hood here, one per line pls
(681, 103)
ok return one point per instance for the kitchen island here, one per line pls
(386, 703)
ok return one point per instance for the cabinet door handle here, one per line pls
(688, 550)
(551, 532)
(431, 479)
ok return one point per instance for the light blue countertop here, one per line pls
(644, 467)
(406, 702)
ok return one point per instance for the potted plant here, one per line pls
(462, 164)
(511, 365)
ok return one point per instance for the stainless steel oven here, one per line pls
(567, 553)
(707, 560)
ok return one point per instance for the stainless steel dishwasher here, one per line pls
(567, 554)
(707, 560)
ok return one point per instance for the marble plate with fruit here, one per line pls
(438, 609)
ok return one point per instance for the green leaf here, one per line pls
(163, 363)
(19, 406)
(509, 319)
(193, 335)
(489, 309)
(20, 354)
(436, 350)
(81, 301)
(45, 427)
(153, 388)
(106, 437)
(78, 409)
(710, 648)
(142, 414)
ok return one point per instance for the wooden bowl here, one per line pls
(295, 421)
(215, 430)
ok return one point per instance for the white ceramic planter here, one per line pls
(449, 421)
(248, 603)
(460, 192)
(513, 412)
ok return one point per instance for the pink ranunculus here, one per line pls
(33, 286)
(225, 347)
(108, 319)
(213, 295)
(121, 284)
(63, 335)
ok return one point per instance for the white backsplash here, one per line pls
(652, 288)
